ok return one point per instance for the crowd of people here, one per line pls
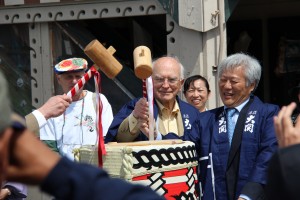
(236, 144)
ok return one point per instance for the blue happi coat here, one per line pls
(257, 146)
(188, 112)
(77, 181)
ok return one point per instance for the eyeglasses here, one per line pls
(171, 81)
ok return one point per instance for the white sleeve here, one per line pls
(39, 118)
(47, 131)
(107, 114)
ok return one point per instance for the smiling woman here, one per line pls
(196, 91)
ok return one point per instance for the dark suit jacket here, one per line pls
(284, 174)
(78, 181)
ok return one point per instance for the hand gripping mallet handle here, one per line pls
(143, 70)
(142, 65)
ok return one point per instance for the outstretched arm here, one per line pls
(54, 107)
(32, 162)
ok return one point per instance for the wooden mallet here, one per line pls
(103, 59)
(143, 70)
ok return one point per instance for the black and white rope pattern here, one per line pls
(164, 157)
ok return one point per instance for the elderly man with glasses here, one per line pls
(173, 117)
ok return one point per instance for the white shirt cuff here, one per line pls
(158, 137)
(39, 118)
(245, 197)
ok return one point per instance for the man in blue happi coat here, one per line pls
(173, 117)
(233, 165)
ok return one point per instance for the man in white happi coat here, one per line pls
(66, 123)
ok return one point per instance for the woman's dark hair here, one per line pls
(190, 80)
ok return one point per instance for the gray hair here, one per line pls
(175, 58)
(249, 64)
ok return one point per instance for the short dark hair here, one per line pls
(191, 80)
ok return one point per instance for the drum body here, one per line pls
(169, 169)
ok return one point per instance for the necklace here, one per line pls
(80, 124)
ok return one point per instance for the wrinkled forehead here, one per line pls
(237, 70)
(166, 67)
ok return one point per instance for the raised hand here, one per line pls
(55, 106)
(141, 113)
(286, 133)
